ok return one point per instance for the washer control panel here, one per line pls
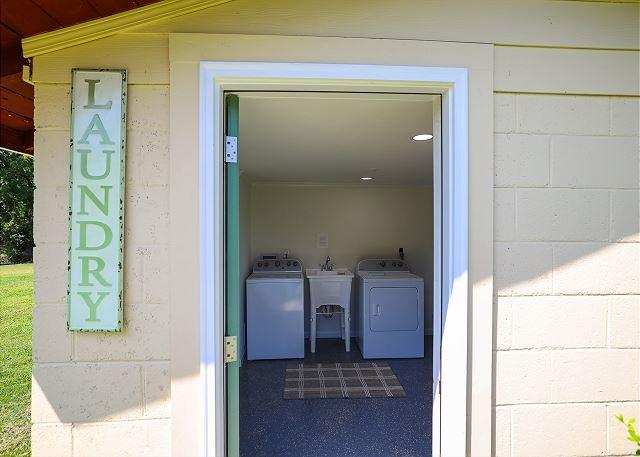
(383, 265)
(284, 265)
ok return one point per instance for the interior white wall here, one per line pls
(362, 221)
(245, 256)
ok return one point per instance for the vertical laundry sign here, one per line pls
(96, 204)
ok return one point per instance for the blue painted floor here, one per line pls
(271, 426)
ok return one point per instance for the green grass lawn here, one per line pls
(16, 303)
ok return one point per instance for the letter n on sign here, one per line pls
(96, 202)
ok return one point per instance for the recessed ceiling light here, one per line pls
(423, 137)
(366, 178)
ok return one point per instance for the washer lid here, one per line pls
(274, 277)
(388, 275)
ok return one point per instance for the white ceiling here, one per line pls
(335, 138)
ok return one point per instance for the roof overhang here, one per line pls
(104, 27)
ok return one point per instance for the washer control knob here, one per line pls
(289, 263)
(259, 264)
(295, 264)
(393, 264)
(277, 263)
(383, 264)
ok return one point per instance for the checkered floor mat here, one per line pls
(341, 380)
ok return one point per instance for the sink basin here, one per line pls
(338, 273)
(330, 287)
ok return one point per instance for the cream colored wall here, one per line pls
(566, 222)
(97, 393)
(365, 221)
(566, 273)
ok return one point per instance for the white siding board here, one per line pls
(577, 71)
(538, 22)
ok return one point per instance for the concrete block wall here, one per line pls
(93, 393)
(566, 272)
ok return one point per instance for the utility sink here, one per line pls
(330, 289)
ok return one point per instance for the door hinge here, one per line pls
(231, 149)
(230, 349)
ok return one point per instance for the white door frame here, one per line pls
(450, 230)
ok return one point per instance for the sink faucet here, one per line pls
(328, 266)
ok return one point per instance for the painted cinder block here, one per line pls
(594, 162)
(559, 322)
(148, 107)
(81, 392)
(566, 115)
(624, 321)
(522, 268)
(133, 273)
(147, 214)
(617, 442)
(51, 163)
(50, 214)
(146, 335)
(50, 273)
(147, 158)
(52, 106)
(625, 119)
(504, 214)
(504, 113)
(625, 215)
(51, 440)
(523, 377)
(51, 341)
(521, 160)
(503, 431)
(588, 375)
(156, 275)
(562, 215)
(596, 268)
(157, 390)
(559, 430)
(145, 438)
(504, 323)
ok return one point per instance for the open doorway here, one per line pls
(302, 203)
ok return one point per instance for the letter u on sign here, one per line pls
(96, 200)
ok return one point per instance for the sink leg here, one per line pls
(313, 331)
(347, 329)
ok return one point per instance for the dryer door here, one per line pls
(393, 309)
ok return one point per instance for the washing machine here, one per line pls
(275, 309)
(390, 310)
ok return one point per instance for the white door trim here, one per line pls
(452, 84)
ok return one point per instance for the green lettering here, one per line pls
(106, 239)
(87, 270)
(84, 164)
(93, 306)
(92, 96)
(95, 128)
(103, 205)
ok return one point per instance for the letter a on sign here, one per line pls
(96, 203)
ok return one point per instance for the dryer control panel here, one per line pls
(278, 264)
(383, 265)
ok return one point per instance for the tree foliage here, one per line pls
(16, 207)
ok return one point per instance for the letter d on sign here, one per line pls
(96, 213)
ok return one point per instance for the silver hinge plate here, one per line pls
(230, 349)
(231, 149)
